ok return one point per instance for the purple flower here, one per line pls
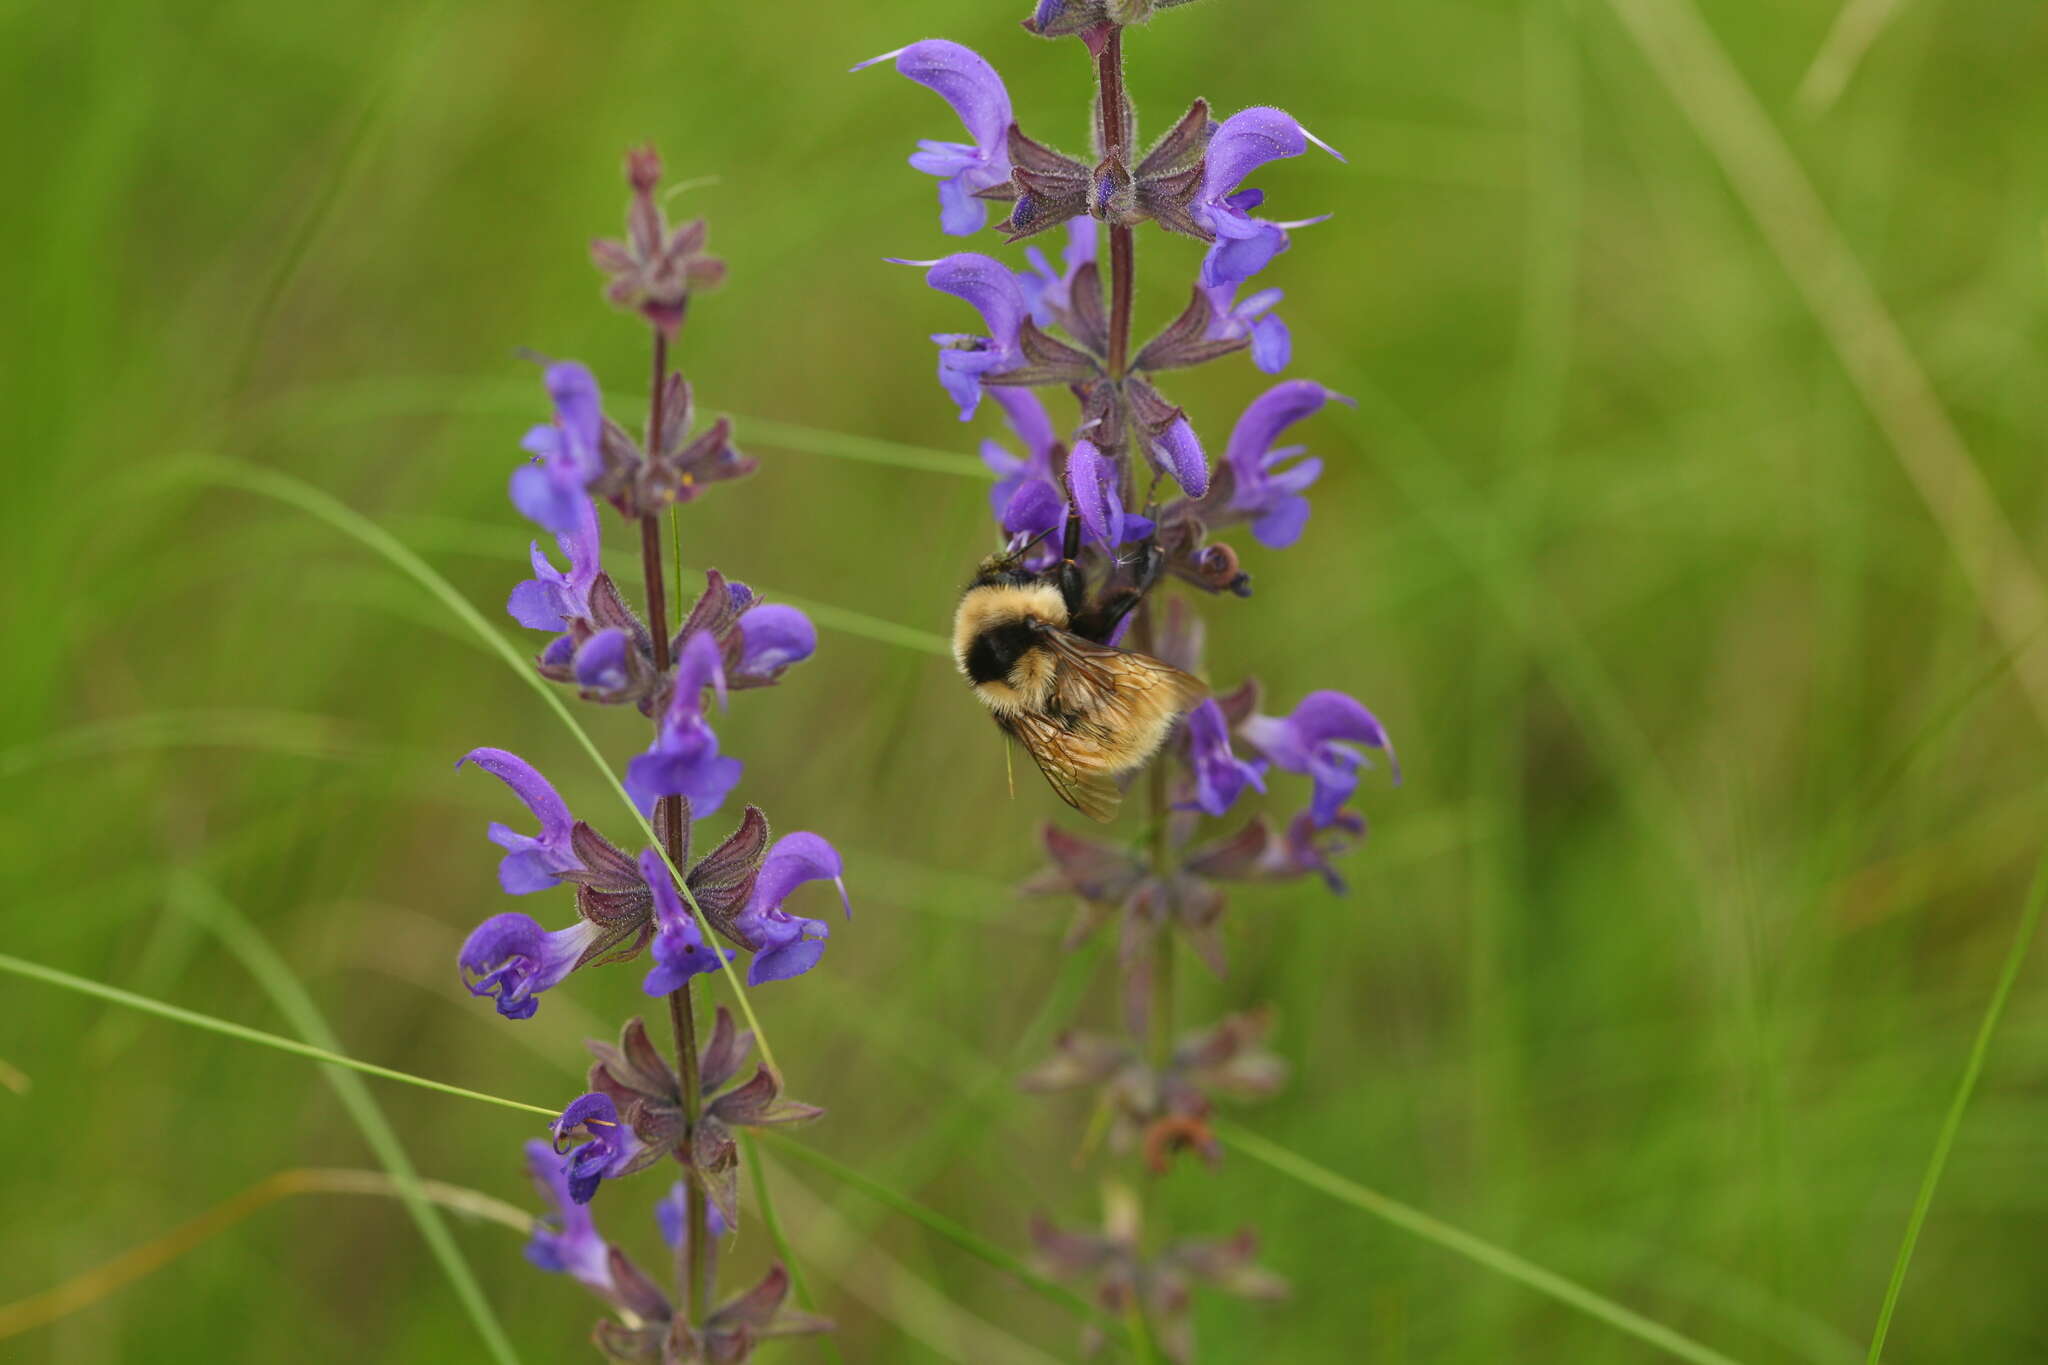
(785, 945)
(772, 638)
(1179, 452)
(1219, 775)
(1309, 847)
(531, 862)
(566, 456)
(1047, 293)
(565, 1241)
(608, 1150)
(551, 599)
(684, 758)
(603, 663)
(674, 1208)
(680, 951)
(1094, 480)
(511, 957)
(1271, 497)
(1027, 499)
(965, 80)
(1272, 344)
(989, 285)
(1319, 739)
(1242, 143)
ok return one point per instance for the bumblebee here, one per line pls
(1036, 652)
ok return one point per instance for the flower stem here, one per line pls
(682, 1014)
(1116, 136)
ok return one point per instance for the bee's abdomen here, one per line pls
(996, 650)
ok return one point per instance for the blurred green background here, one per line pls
(1725, 774)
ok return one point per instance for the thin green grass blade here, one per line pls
(198, 900)
(972, 1243)
(50, 976)
(408, 396)
(783, 1251)
(839, 445)
(287, 733)
(90, 1286)
(2030, 923)
(345, 519)
(1498, 1259)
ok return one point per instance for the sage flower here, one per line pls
(565, 1240)
(609, 1148)
(680, 951)
(1027, 498)
(993, 290)
(963, 79)
(532, 862)
(1265, 488)
(1231, 319)
(567, 455)
(786, 945)
(1240, 145)
(684, 759)
(1320, 738)
(512, 959)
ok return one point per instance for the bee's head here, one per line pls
(1007, 567)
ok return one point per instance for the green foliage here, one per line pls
(1724, 783)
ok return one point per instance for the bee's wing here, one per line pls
(1108, 712)
(1076, 765)
(1117, 690)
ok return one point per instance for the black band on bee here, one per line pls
(994, 651)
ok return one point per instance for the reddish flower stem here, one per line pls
(690, 1279)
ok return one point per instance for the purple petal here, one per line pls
(679, 949)
(988, 285)
(1272, 344)
(1220, 776)
(1035, 507)
(1179, 452)
(780, 964)
(692, 769)
(1327, 715)
(796, 859)
(1246, 141)
(578, 409)
(960, 213)
(545, 499)
(512, 958)
(1241, 251)
(532, 863)
(964, 79)
(536, 605)
(1281, 521)
(565, 1240)
(1093, 478)
(699, 664)
(600, 664)
(773, 637)
(1271, 413)
(1027, 417)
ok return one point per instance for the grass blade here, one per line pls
(90, 1286)
(1498, 1259)
(50, 976)
(199, 901)
(783, 1251)
(2030, 922)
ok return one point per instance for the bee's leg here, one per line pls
(1072, 585)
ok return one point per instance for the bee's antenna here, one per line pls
(1028, 546)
